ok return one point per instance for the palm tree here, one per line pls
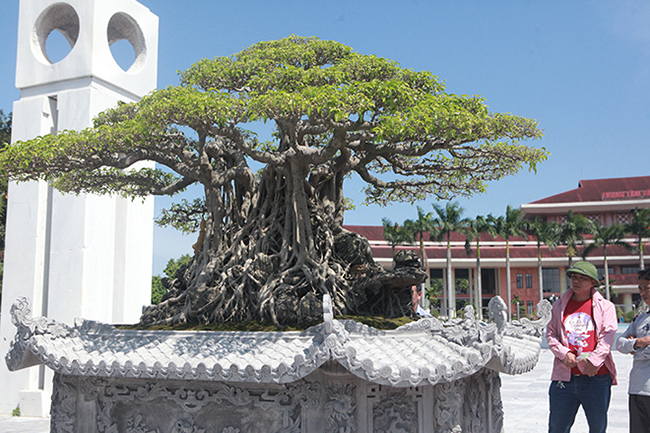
(474, 230)
(416, 230)
(639, 227)
(449, 220)
(547, 233)
(513, 224)
(394, 235)
(573, 231)
(603, 237)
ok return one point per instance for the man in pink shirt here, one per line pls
(580, 335)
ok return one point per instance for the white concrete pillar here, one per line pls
(74, 256)
(627, 302)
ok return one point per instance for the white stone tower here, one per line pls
(74, 256)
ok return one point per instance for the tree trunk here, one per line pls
(270, 254)
(479, 286)
(641, 258)
(451, 311)
(540, 276)
(508, 285)
(607, 295)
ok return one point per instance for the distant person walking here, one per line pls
(580, 334)
(636, 340)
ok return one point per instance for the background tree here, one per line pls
(474, 230)
(417, 229)
(160, 285)
(547, 233)
(511, 225)
(273, 240)
(573, 231)
(449, 219)
(395, 235)
(605, 236)
(5, 140)
(639, 227)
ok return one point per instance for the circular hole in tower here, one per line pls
(126, 42)
(123, 54)
(55, 33)
(57, 47)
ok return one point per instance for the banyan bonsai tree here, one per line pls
(272, 239)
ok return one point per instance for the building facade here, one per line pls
(607, 201)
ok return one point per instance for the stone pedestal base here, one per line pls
(328, 400)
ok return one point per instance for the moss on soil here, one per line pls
(382, 323)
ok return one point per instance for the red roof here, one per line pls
(488, 250)
(376, 233)
(622, 188)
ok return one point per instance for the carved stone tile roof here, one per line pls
(428, 351)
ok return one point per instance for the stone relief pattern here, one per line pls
(448, 406)
(494, 381)
(107, 393)
(395, 413)
(475, 408)
(136, 424)
(463, 405)
(340, 408)
(63, 410)
(187, 424)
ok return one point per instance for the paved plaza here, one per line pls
(525, 398)
(525, 402)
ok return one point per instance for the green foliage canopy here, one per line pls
(333, 108)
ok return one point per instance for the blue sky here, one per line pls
(581, 68)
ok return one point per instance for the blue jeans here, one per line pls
(593, 393)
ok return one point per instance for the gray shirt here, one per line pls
(640, 374)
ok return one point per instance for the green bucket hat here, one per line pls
(584, 268)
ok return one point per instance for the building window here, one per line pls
(488, 281)
(462, 281)
(623, 218)
(630, 269)
(530, 308)
(593, 217)
(601, 272)
(529, 281)
(520, 281)
(551, 279)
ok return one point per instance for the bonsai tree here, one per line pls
(273, 241)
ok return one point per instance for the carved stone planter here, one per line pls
(340, 376)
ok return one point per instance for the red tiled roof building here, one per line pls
(606, 200)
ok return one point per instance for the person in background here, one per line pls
(417, 295)
(636, 340)
(580, 334)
